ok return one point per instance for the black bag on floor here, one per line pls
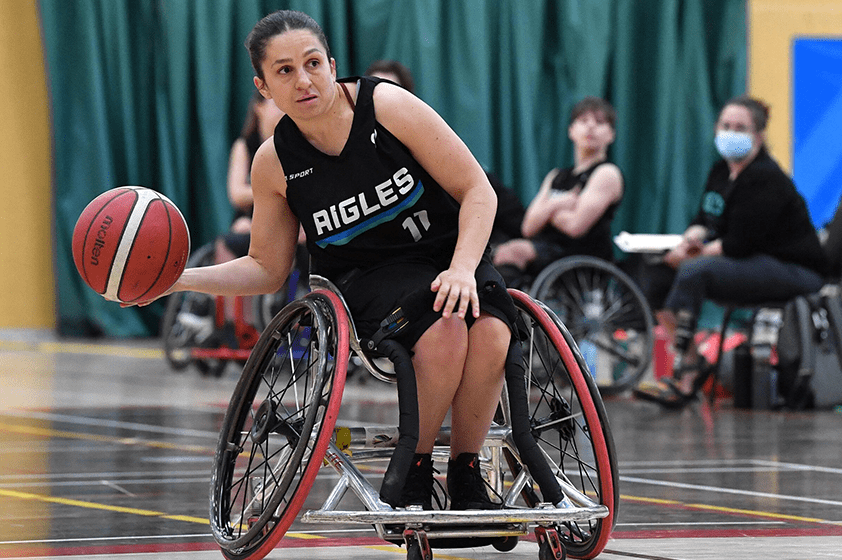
(810, 351)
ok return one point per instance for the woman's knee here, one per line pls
(489, 339)
(444, 343)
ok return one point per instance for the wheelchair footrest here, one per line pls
(449, 517)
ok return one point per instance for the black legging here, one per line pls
(748, 281)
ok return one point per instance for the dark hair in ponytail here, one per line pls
(275, 24)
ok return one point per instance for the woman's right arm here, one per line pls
(274, 235)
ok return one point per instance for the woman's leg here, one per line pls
(439, 360)
(749, 281)
(478, 395)
(449, 373)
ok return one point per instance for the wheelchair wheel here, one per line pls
(278, 425)
(607, 315)
(188, 320)
(569, 423)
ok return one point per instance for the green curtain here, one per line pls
(153, 92)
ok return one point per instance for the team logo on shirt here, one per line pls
(366, 210)
(713, 204)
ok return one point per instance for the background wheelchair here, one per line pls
(607, 315)
(196, 330)
(549, 456)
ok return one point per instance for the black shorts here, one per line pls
(373, 294)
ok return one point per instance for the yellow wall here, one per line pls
(26, 267)
(772, 27)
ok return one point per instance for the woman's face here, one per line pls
(591, 131)
(297, 74)
(735, 118)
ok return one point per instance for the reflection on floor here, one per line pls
(106, 451)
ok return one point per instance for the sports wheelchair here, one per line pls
(549, 456)
(195, 329)
(607, 314)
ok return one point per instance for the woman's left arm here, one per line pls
(449, 161)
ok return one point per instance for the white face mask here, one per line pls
(733, 146)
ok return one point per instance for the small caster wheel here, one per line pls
(417, 545)
(505, 544)
(549, 545)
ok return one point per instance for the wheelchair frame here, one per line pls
(270, 451)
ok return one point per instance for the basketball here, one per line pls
(130, 244)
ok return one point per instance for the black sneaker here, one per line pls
(418, 488)
(465, 485)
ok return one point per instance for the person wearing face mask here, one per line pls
(752, 241)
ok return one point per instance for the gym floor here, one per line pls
(107, 452)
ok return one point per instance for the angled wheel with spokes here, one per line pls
(278, 425)
(568, 421)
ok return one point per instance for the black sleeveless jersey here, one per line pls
(371, 204)
(597, 241)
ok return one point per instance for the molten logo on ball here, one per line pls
(100, 239)
(131, 244)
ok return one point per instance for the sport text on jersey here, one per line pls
(298, 175)
(368, 209)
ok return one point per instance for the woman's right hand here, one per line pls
(687, 249)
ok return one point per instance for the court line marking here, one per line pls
(46, 432)
(88, 421)
(699, 523)
(722, 490)
(93, 539)
(14, 494)
(46, 477)
(749, 512)
(81, 348)
(717, 466)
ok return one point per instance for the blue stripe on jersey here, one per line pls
(344, 237)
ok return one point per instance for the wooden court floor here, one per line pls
(106, 453)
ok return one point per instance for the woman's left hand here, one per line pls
(452, 287)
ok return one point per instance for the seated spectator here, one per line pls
(393, 71)
(572, 212)
(261, 119)
(751, 242)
